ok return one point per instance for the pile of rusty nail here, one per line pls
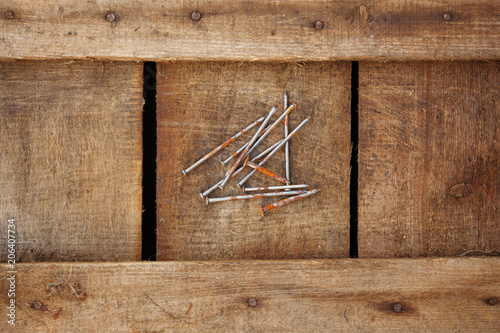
(295, 192)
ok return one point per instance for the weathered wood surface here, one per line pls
(429, 167)
(251, 30)
(200, 105)
(70, 160)
(436, 295)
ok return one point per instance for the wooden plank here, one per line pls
(436, 295)
(200, 105)
(251, 30)
(70, 163)
(429, 179)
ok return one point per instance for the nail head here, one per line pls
(252, 302)
(111, 17)
(398, 307)
(493, 301)
(9, 15)
(196, 15)
(318, 25)
(37, 305)
(447, 17)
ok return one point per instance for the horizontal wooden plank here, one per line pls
(200, 105)
(429, 167)
(250, 29)
(372, 295)
(71, 160)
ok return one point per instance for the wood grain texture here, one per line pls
(200, 105)
(429, 179)
(343, 295)
(251, 30)
(70, 160)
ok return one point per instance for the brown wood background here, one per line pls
(251, 30)
(71, 160)
(429, 159)
(200, 105)
(71, 163)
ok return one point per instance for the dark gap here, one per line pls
(149, 163)
(353, 232)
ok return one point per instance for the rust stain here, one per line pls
(189, 308)
(58, 313)
(268, 172)
(373, 318)
(461, 190)
(286, 201)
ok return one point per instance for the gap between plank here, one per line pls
(149, 163)
(353, 232)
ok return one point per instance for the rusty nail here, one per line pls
(111, 17)
(274, 188)
(9, 15)
(318, 25)
(223, 145)
(270, 128)
(447, 17)
(196, 16)
(247, 148)
(252, 302)
(244, 146)
(291, 135)
(287, 148)
(210, 190)
(287, 200)
(213, 188)
(268, 172)
(398, 307)
(37, 305)
(234, 154)
(493, 301)
(254, 196)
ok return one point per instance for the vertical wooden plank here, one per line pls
(70, 161)
(200, 104)
(429, 159)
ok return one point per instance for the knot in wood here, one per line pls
(461, 190)
(493, 301)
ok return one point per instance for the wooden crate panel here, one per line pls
(70, 162)
(250, 29)
(200, 105)
(436, 295)
(429, 167)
